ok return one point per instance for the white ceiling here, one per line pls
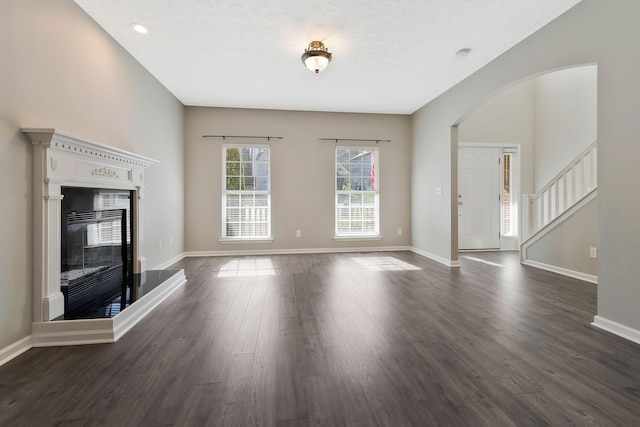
(389, 56)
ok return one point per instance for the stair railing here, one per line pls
(562, 192)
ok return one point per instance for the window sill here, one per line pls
(356, 238)
(227, 241)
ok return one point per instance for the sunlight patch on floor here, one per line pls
(386, 263)
(247, 268)
(483, 261)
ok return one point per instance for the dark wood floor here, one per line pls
(343, 339)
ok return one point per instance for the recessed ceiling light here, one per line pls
(139, 28)
(463, 53)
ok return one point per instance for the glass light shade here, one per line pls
(316, 57)
(316, 63)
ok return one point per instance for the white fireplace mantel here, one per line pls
(63, 160)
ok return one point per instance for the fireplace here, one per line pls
(87, 239)
(95, 248)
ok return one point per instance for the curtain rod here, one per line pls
(268, 138)
(354, 139)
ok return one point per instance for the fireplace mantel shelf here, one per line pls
(63, 141)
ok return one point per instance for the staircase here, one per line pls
(565, 194)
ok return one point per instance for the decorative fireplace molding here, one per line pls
(63, 160)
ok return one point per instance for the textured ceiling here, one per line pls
(389, 56)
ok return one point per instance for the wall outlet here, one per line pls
(399, 232)
(159, 244)
(593, 252)
(298, 233)
(170, 241)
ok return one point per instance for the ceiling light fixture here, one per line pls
(139, 28)
(316, 57)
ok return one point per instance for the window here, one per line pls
(246, 199)
(357, 192)
(507, 222)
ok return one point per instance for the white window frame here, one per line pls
(249, 239)
(375, 234)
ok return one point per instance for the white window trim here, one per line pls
(356, 236)
(224, 239)
(237, 240)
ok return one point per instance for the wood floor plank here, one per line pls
(353, 339)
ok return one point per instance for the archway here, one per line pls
(546, 120)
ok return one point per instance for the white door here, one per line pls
(478, 198)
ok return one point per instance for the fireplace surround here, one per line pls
(60, 161)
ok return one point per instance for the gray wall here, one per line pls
(60, 70)
(568, 245)
(565, 119)
(302, 180)
(506, 118)
(593, 32)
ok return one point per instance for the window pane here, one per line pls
(233, 183)
(343, 214)
(262, 183)
(367, 184)
(233, 168)
(233, 229)
(233, 154)
(261, 200)
(342, 184)
(233, 200)
(369, 198)
(246, 200)
(248, 183)
(262, 229)
(342, 169)
(233, 214)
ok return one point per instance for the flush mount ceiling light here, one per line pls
(139, 28)
(316, 57)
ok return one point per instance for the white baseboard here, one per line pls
(563, 271)
(617, 329)
(170, 262)
(72, 332)
(294, 251)
(15, 349)
(447, 262)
